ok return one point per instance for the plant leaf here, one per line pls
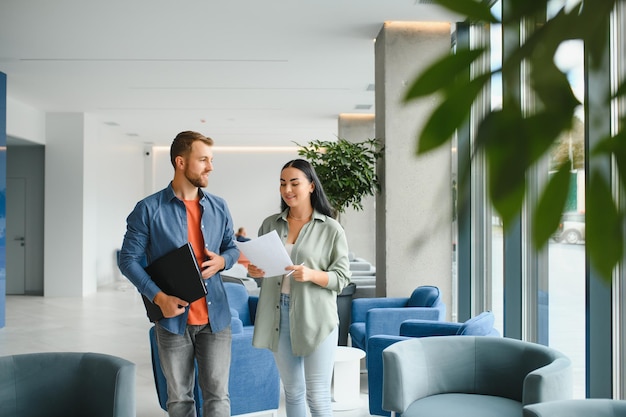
(452, 111)
(604, 235)
(550, 206)
(439, 75)
(595, 29)
(615, 146)
(521, 9)
(553, 89)
(499, 136)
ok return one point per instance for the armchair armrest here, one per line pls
(360, 306)
(404, 368)
(236, 325)
(426, 328)
(549, 383)
(374, 358)
(388, 320)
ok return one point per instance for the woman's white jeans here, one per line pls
(306, 379)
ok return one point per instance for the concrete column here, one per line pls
(360, 226)
(70, 206)
(414, 209)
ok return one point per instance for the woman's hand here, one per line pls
(255, 272)
(302, 273)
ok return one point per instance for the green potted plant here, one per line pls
(347, 170)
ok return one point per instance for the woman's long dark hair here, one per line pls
(319, 201)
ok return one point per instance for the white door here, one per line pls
(16, 233)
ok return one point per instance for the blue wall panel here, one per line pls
(3, 194)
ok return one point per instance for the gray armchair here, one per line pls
(591, 407)
(66, 384)
(471, 376)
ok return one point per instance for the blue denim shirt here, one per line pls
(158, 225)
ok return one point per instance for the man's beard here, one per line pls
(197, 181)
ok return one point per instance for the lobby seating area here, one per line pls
(113, 322)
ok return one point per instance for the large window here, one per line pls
(553, 279)
(549, 295)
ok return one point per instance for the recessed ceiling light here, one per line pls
(370, 87)
(363, 106)
(111, 123)
(132, 134)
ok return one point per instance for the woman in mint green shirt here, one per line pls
(297, 312)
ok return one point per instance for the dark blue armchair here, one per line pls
(67, 384)
(373, 316)
(254, 383)
(481, 325)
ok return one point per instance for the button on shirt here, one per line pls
(158, 225)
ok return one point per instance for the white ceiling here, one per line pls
(245, 72)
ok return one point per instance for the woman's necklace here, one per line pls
(300, 218)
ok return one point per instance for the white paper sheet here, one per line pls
(268, 253)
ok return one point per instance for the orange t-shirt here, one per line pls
(198, 310)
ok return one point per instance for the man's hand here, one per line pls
(214, 263)
(170, 306)
(255, 272)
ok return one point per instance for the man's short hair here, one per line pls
(181, 145)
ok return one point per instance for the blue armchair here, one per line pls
(373, 316)
(242, 305)
(481, 325)
(254, 384)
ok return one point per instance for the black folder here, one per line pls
(176, 273)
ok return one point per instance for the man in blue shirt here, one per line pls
(160, 223)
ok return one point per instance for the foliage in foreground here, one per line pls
(513, 139)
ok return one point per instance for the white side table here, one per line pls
(347, 378)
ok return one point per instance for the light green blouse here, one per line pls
(321, 245)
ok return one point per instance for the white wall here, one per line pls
(119, 184)
(25, 122)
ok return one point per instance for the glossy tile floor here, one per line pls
(111, 321)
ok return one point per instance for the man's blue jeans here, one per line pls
(305, 375)
(212, 352)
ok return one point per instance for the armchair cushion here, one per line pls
(591, 407)
(480, 325)
(424, 296)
